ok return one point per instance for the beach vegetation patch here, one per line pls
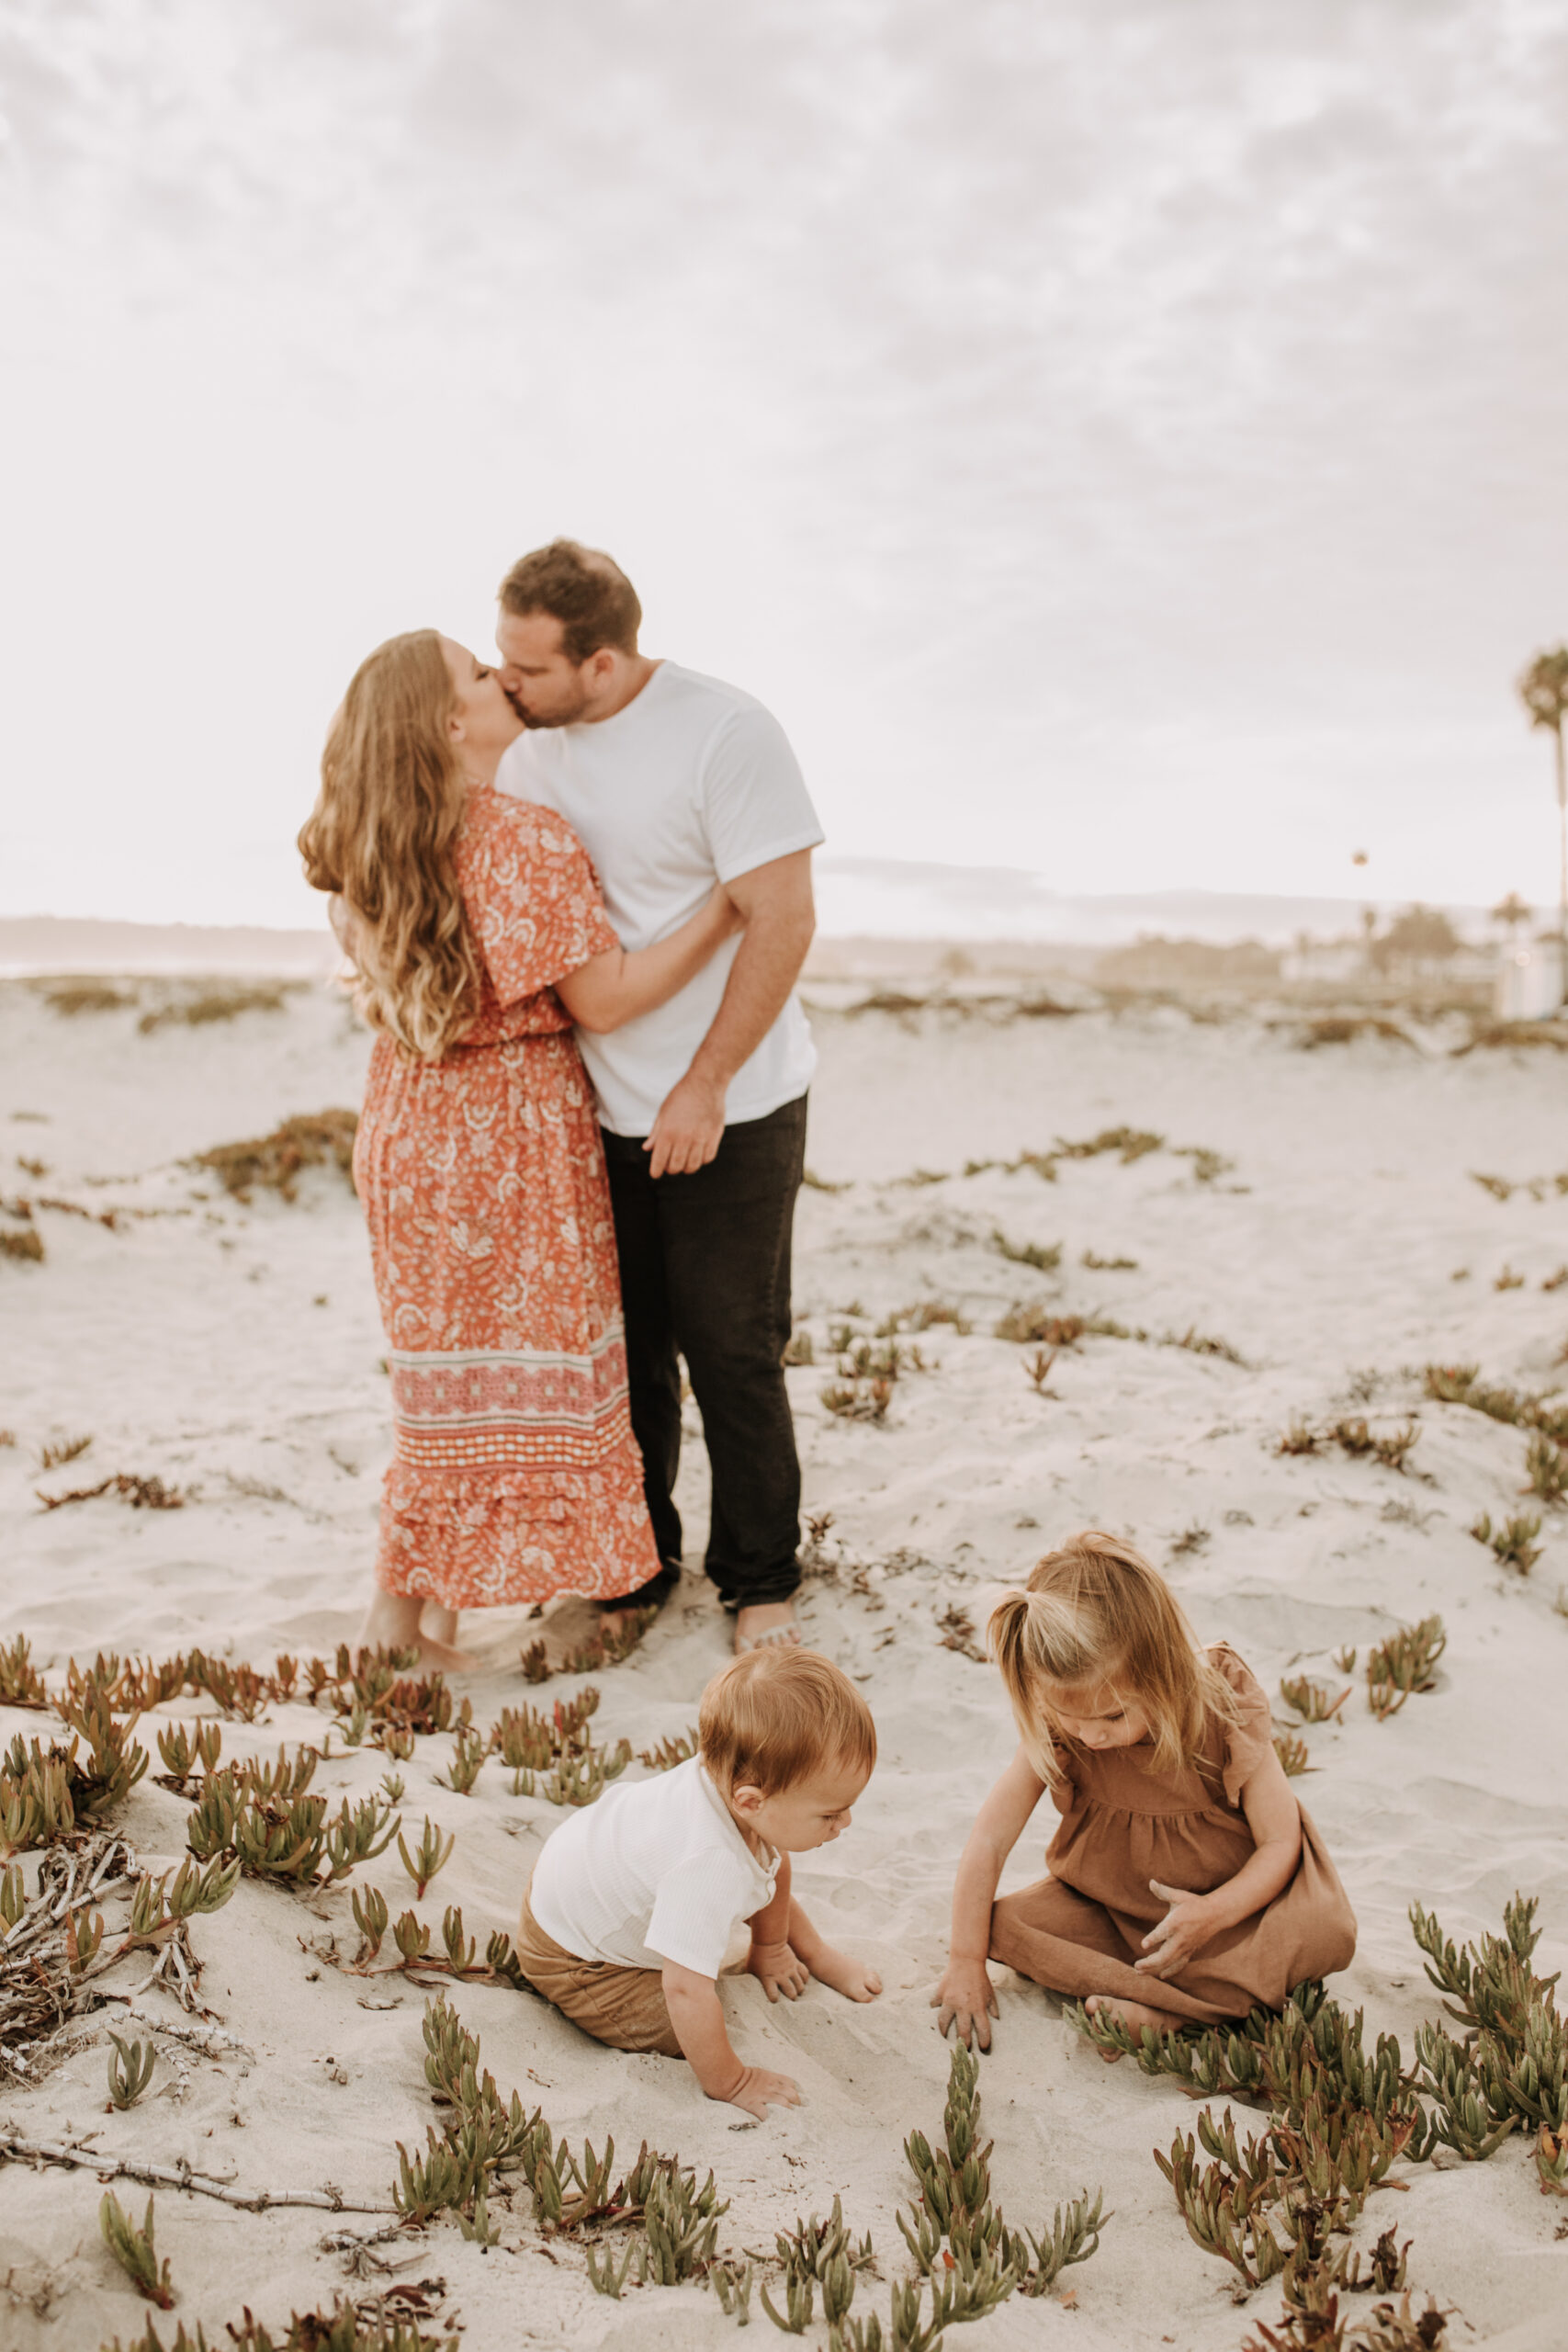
(1355, 1437)
(1403, 1662)
(1108, 1265)
(218, 1004)
(131, 2070)
(21, 1684)
(959, 2236)
(1513, 1543)
(1493, 1035)
(930, 1315)
(24, 1248)
(275, 1163)
(1312, 1701)
(1045, 1257)
(1546, 1467)
(1343, 1029)
(1293, 1753)
(132, 2248)
(62, 1450)
(1041, 1323)
(377, 2323)
(73, 996)
(127, 1486)
(670, 1752)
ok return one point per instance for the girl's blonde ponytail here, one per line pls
(1095, 1611)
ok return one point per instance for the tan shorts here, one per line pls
(622, 2006)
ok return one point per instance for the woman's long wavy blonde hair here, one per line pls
(1094, 1612)
(380, 838)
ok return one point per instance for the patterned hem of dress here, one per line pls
(508, 1562)
(415, 1490)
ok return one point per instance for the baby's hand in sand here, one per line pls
(968, 1999)
(850, 1977)
(1184, 1930)
(780, 1970)
(757, 2089)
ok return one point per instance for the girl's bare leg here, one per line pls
(393, 1623)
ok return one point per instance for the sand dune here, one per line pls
(1334, 1242)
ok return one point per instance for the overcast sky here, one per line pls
(1121, 439)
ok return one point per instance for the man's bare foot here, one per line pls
(768, 1625)
(394, 1623)
(850, 1977)
(1134, 2015)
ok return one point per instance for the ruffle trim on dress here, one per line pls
(492, 1539)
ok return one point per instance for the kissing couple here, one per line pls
(575, 890)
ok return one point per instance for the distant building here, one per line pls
(1529, 979)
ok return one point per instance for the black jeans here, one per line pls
(705, 1275)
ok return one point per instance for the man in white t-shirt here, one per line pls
(673, 780)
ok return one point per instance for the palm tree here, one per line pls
(1509, 912)
(1543, 690)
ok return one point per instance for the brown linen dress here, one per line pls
(1080, 1930)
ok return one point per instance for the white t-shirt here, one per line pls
(692, 782)
(652, 1871)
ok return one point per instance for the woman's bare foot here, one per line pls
(1134, 2015)
(437, 1624)
(393, 1623)
(768, 1625)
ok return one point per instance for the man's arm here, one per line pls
(775, 904)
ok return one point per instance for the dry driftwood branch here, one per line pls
(210, 2040)
(14, 2148)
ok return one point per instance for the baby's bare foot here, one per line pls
(850, 1977)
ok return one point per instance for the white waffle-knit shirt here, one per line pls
(656, 1870)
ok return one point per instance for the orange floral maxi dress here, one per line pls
(514, 1474)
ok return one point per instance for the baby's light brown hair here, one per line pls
(772, 1717)
(1095, 1611)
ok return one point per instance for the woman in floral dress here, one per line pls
(477, 936)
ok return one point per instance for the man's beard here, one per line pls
(534, 719)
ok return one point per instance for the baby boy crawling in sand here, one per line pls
(636, 1903)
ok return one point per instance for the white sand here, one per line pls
(234, 1351)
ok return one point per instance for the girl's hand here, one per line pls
(1185, 1929)
(780, 1968)
(758, 2089)
(965, 1998)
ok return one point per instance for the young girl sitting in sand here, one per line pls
(635, 1904)
(1187, 1885)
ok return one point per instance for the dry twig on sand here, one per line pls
(14, 2148)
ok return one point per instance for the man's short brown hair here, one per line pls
(586, 590)
(772, 1717)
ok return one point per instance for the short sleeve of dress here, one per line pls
(1063, 1790)
(531, 895)
(1249, 1741)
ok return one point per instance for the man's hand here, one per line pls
(757, 2089)
(689, 1129)
(779, 1969)
(966, 1998)
(1184, 1930)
